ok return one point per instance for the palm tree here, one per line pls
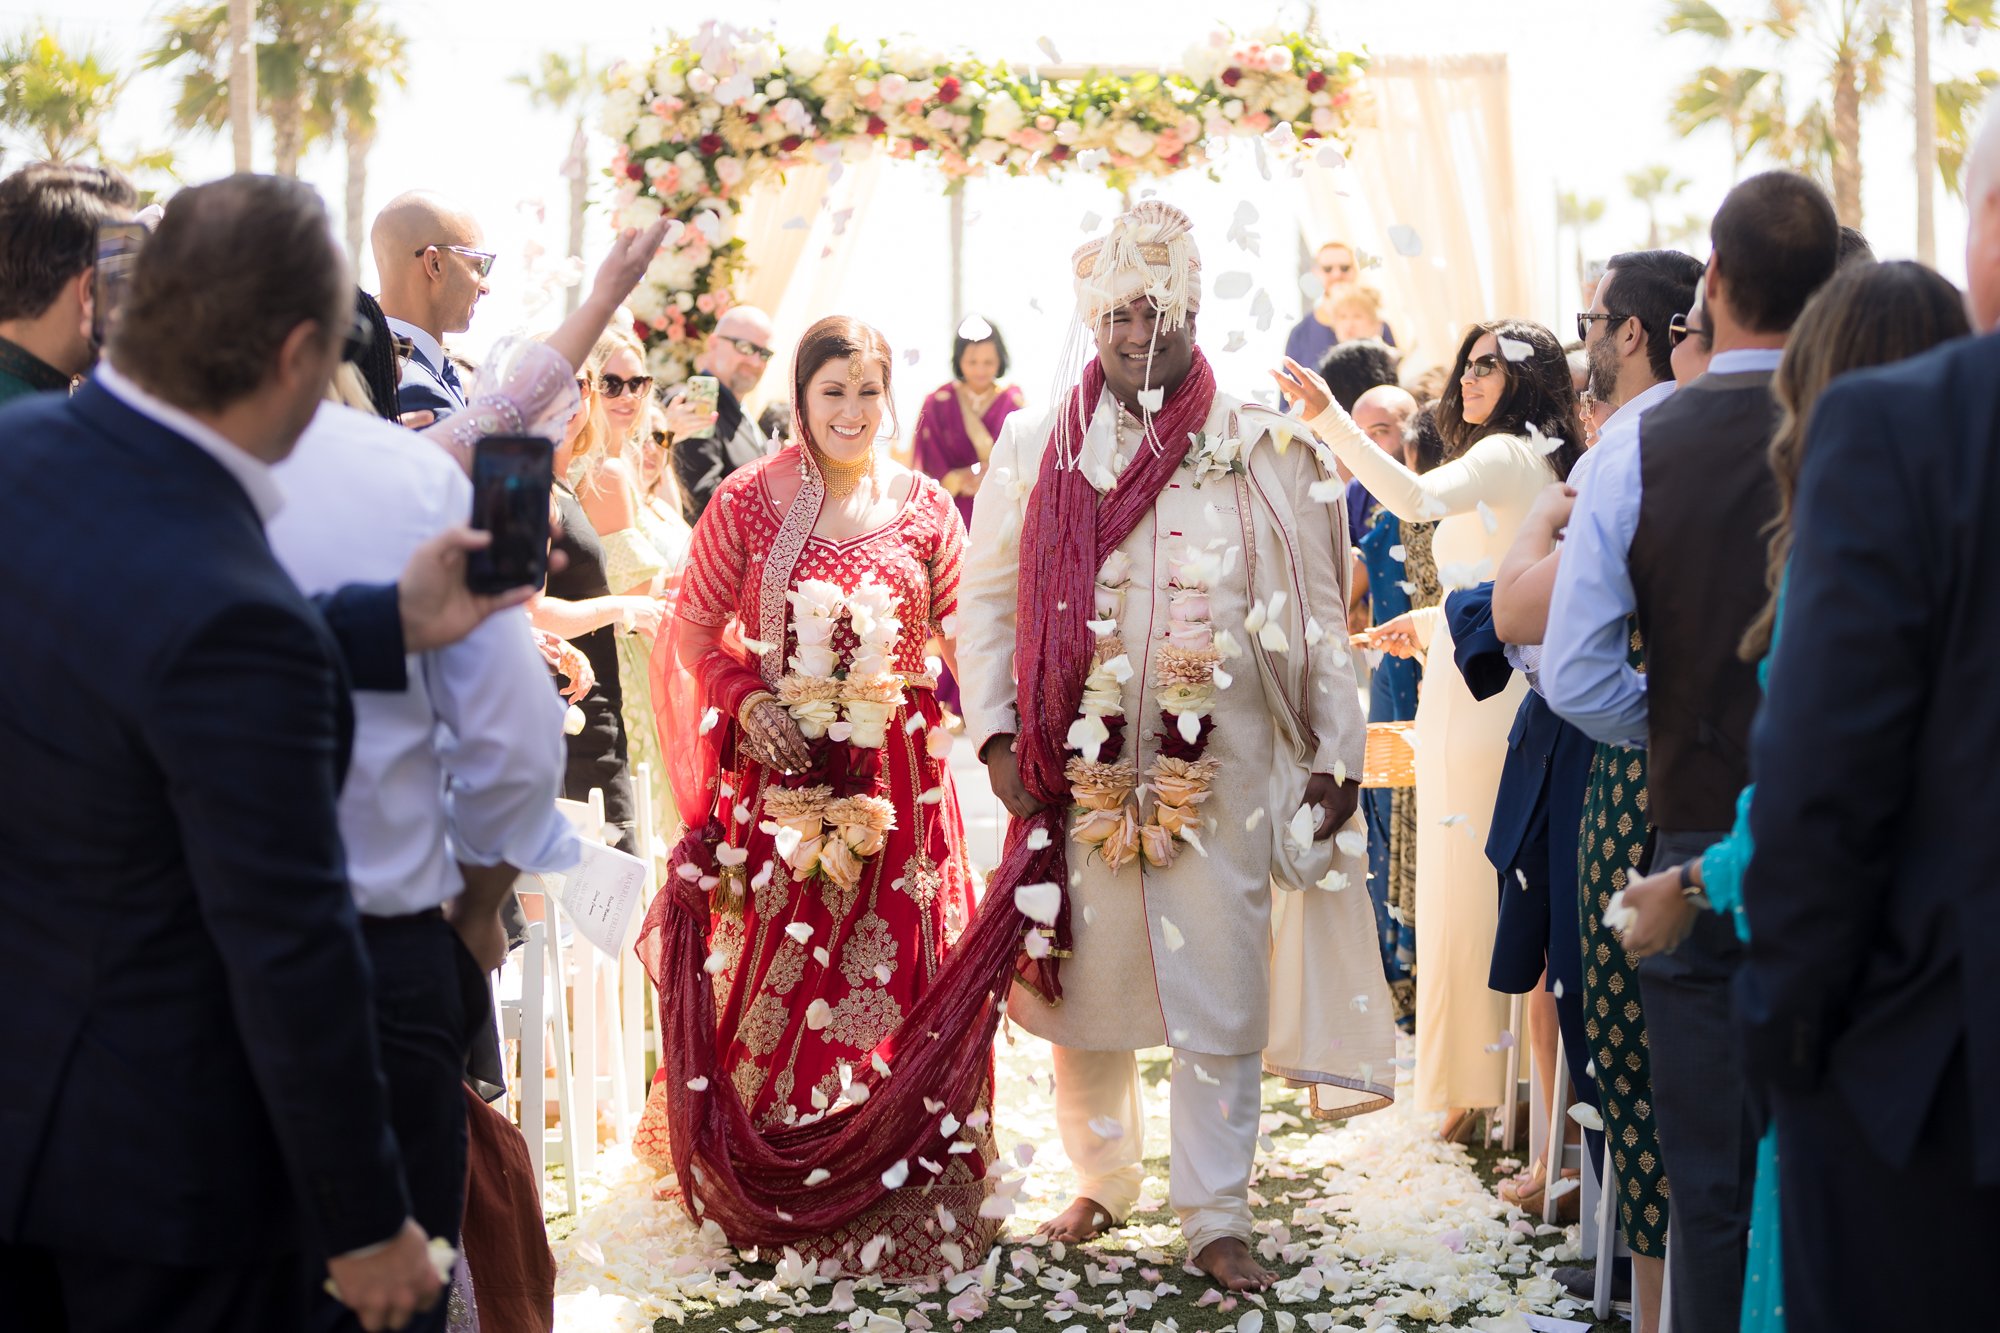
(1740, 100)
(54, 98)
(1942, 138)
(1858, 43)
(1650, 186)
(561, 85)
(1578, 215)
(242, 80)
(369, 53)
(298, 44)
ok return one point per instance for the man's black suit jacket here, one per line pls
(1873, 896)
(188, 1043)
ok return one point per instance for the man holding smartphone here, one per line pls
(196, 1132)
(49, 218)
(712, 434)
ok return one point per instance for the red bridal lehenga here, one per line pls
(814, 969)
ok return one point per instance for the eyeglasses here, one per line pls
(748, 348)
(482, 260)
(1584, 321)
(1482, 366)
(1679, 330)
(613, 387)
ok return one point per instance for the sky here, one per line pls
(1591, 83)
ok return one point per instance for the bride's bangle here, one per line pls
(749, 706)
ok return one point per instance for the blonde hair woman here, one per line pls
(622, 473)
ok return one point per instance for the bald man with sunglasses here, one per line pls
(433, 272)
(708, 448)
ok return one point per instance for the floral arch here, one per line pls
(721, 111)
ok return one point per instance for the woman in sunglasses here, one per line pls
(1509, 423)
(644, 545)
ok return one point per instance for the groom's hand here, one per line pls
(1336, 800)
(386, 1285)
(1005, 776)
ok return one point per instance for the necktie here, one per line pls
(450, 377)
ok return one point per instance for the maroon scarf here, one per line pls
(753, 1183)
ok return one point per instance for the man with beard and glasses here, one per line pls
(1152, 597)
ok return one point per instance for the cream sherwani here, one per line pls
(1183, 956)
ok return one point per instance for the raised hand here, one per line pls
(630, 255)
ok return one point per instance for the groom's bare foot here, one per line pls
(1084, 1219)
(1231, 1264)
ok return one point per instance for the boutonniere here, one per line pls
(1214, 454)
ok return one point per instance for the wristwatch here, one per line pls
(1690, 889)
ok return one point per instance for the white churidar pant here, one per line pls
(1215, 1102)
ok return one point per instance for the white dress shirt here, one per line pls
(253, 474)
(1586, 676)
(466, 762)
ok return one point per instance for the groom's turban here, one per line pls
(1148, 252)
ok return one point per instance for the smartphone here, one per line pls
(118, 246)
(512, 476)
(704, 392)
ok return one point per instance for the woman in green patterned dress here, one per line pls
(1612, 842)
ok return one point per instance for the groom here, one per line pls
(1147, 527)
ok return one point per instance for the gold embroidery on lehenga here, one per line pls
(727, 941)
(762, 1025)
(863, 1017)
(787, 966)
(872, 945)
(748, 1076)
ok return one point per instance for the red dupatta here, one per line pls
(796, 1182)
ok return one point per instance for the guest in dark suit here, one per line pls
(1869, 999)
(737, 354)
(1533, 835)
(192, 1127)
(433, 272)
(49, 215)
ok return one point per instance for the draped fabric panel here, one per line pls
(797, 275)
(1434, 154)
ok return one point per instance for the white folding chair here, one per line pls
(1556, 1133)
(1509, 1109)
(528, 1020)
(1607, 1234)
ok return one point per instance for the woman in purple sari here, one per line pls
(959, 422)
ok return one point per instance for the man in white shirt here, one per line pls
(1584, 675)
(433, 272)
(452, 787)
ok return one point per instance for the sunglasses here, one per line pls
(1482, 366)
(748, 348)
(1586, 319)
(1679, 330)
(613, 387)
(482, 260)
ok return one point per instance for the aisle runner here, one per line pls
(1376, 1225)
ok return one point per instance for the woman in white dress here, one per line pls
(1508, 419)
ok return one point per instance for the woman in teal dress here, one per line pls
(1867, 315)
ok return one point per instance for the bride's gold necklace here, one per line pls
(841, 478)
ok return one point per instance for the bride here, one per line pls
(824, 879)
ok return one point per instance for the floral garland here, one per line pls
(1188, 664)
(723, 110)
(829, 820)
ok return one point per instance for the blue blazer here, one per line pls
(1533, 835)
(191, 1075)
